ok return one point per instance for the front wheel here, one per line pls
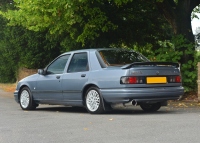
(150, 107)
(94, 101)
(26, 101)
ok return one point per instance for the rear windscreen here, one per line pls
(121, 57)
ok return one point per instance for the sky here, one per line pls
(195, 24)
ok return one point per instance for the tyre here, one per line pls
(94, 101)
(150, 107)
(26, 101)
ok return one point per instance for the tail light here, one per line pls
(174, 79)
(132, 80)
(142, 79)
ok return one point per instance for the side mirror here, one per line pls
(41, 72)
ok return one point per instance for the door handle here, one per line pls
(83, 75)
(58, 77)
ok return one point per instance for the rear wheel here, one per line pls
(26, 101)
(150, 107)
(94, 101)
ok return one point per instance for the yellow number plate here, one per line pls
(156, 80)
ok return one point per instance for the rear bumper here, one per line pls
(125, 95)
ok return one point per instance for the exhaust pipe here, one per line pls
(134, 102)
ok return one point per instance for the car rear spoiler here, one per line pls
(151, 64)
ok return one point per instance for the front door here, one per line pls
(48, 88)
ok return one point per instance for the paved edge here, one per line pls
(7, 94)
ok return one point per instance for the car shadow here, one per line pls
(115, 111)
(63, 109)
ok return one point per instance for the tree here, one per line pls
(84, 20)
(92, 23)
(105, 23)
(22, 47)
(178, 14)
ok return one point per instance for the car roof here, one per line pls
(93, 49)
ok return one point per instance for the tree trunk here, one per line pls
(184, 27)
(179, 17)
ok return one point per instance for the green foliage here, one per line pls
(92, 23)
(60, 16)
(146, 50)
(173, 51)
(20, 47)
(198, 56)
(42, 29)
(36, 49)
(195, 11)
(7, 56)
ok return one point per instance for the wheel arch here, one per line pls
(85, 90)
(21, 89)
(105, 106)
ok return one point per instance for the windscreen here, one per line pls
(121, 57)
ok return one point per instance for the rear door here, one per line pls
(75, 79)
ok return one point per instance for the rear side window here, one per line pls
(78, 63)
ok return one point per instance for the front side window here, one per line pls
(120, 57)
(58, 66)
(78, 63)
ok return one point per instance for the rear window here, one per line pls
(121, 57)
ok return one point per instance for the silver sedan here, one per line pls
(98, 78)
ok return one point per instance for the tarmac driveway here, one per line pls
(173, 124)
